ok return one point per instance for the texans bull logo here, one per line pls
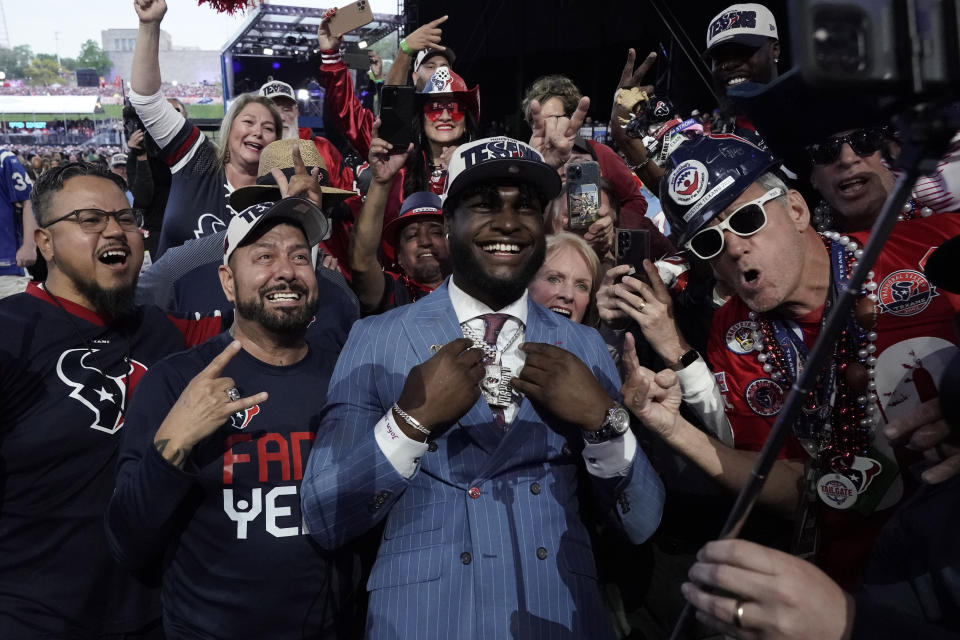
(102, 394)
(240, 419)
(862, 472)
(209, 224)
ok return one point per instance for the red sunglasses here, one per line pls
(433, 109)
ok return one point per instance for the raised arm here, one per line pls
(655, 400)
(365, 237)
(145, 75)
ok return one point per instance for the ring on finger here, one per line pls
(233, 394)
(641, 306)
(738, 614)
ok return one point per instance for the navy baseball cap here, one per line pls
(497, 158)
(705, 175)
(416, 206)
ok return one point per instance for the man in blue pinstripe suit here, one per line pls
(480, 490)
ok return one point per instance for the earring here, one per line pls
(776, 60)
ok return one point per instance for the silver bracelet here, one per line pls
(410, 420)
(640, 165)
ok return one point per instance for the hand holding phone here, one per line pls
(397, 111)
(583, 194)
(353, 16)
(633, 245)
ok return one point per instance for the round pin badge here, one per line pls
(837, 491)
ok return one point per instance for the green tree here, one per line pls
(68, 64)
(93, 57)
(14, 61)
(43, 71)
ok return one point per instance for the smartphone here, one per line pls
(633, 245)
(397, 111)
(353, 16)
(583, 194)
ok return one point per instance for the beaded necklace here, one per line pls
(838, 417)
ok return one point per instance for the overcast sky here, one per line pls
(35, 22)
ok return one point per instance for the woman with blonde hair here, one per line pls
(203, 175)
(568, 280)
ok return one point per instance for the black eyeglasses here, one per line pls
(745, 221)
(96, 220)
(864, 142)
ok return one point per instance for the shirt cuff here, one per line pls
(611, 458)
(330, 57)
(403, 453)
(695, 378)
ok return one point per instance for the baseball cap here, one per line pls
(274, 89)
(704, 175)
(429, 52)
(242, 226)
(118, 159)
(499, 157)
(749, 23)
(278, 154)
(416, 206)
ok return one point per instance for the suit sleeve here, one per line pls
(634, 500)
(349, 484)
(141, 515)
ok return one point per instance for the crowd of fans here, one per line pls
(442, 383)
(109, 93)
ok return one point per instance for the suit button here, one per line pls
(535, 489)
(432, 447)
(541, 553)
(566, 450)
(474, 492)
(465, 558)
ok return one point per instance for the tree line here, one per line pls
(21, 63)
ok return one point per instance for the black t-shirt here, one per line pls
(239, 561)
(59, 434)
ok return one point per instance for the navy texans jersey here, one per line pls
(59, 434)
(240, 562)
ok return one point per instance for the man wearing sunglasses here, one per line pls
(72, 350)
(756, 235)
(849, 174)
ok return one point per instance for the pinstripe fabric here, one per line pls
(423, 584)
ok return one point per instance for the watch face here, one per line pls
(619, 420)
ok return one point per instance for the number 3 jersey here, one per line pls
(239, 560)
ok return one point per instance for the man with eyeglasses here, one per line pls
(839, 472)
(72, 350)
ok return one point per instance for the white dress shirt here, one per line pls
(605, 460)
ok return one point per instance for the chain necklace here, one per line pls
(838, 417)
(490, 352)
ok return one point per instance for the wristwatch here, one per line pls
(685, 360)
(615, 425)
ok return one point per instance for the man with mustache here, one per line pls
(72, 350)
(210, 468)
(479, 490)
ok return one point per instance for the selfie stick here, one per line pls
(927, 134)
